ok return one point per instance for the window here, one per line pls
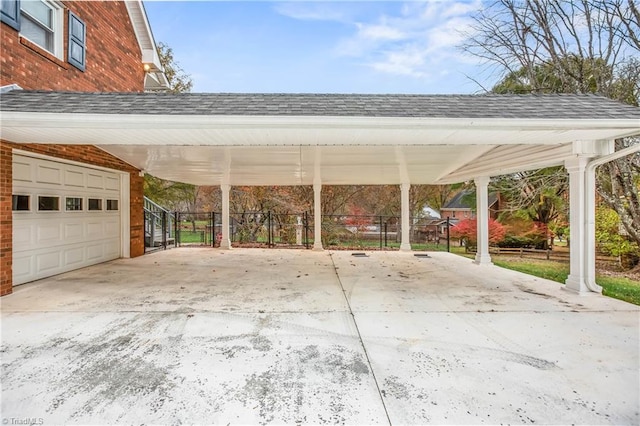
(48, 203)
(73, 204)
(112, 204)
(20, 203)
(95, 204)
(41, 22)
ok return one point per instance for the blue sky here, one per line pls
(320, 47)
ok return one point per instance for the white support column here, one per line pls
(576, 281)
(590, 230)
(225, 242)
(482, 220)
(405, 242)
(317, 217)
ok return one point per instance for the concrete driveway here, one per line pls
(247, 336)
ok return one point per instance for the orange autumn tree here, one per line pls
(466, 230)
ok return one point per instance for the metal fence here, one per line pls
(269, 229)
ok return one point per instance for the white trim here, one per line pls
(125, 215)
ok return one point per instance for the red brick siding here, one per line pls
(113, 56)
(84, 153)
(6, 220)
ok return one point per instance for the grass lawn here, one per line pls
(617, 287)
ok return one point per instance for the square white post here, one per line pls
(405, 243)
(317, 217)
(482, 220)
(576, 281)
(225, 242)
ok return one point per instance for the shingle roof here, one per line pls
(342, 105)
(462, 200)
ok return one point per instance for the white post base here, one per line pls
(482, 259)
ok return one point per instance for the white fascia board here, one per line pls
(173, 121)
(119, 122)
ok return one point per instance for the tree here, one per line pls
(609, 239)
(554, 46)
(466, 230)
(179, 81)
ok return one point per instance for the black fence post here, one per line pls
(213, 229)
(164, 230)
(380, 231)
(176, 229)
(306, 229)
(386, 243)
(448, 239)
(269, 238)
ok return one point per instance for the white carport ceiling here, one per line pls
(240, 139)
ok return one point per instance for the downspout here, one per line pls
(590, 185)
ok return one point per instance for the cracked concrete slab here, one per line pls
(299, 337)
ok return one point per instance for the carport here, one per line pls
(313, 139)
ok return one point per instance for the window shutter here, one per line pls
(10, 13)
(77, 42)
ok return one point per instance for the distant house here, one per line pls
(462, 206)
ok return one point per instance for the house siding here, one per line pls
(113, 64)
(113, 56)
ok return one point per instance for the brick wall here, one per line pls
(113, 56)
(6, 230)
(84, 153)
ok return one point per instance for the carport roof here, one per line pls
(294, 139)
(565, 106)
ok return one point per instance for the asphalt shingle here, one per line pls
(564, 106)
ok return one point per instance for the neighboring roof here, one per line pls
(582, 107)
(460, 202)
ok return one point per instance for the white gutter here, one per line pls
(590, 200)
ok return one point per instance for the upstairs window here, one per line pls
(41, 23)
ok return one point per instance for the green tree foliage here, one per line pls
(179, 81)
(609, 239)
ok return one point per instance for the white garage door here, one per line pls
(65, 217)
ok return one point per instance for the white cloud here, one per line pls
(408, 39)
(380, 32)
(419, 37)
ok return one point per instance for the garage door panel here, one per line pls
(95, 181)
(73, 230)
(74, 178)
(111, 228)
(95, 251)
(49, 174)
(22, 171)
(111, 183)
(49, 243)
(48, 262)
(21, 268)
(22, 235)
(74, 256)
(95, 230)
(49, 233)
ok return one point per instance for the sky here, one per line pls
(321, 47)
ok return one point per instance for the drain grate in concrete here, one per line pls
(359, 254)
(421, 255)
